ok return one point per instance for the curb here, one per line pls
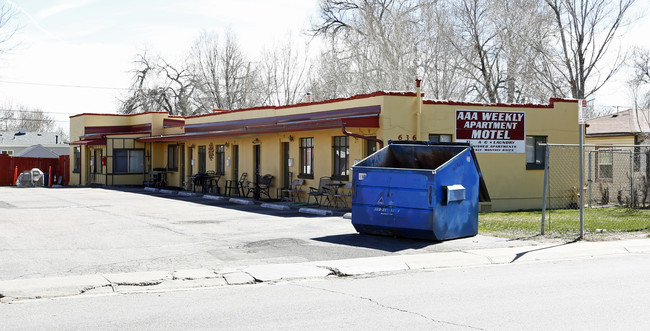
(314, 211)
(18, 289)
(275, 206)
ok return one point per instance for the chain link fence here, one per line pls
(614, 176)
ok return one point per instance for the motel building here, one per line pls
(320, 139)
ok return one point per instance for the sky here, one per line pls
(75, 56)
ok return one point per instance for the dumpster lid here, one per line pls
(483, 194)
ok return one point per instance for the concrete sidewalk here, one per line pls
(18, 289)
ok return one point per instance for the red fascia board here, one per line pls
(551, 103)
(118, 129)
(89, 142)
(121, 115)
(367, 122)
(173, 123)
(304, 104)
(325, 115)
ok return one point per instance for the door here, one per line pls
(256, 162)
(235, 162)
(181, 171)
(286, 175)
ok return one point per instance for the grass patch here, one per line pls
(565, 223)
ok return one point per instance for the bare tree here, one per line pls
(640, 82)
(585, 30)
(16, 117)
(284, 71)
(225, 77)
(159, 86)
(8, 27)
(375, 41)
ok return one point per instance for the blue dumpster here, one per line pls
(418, 190)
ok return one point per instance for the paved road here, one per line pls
(82, 231)
(602, 293)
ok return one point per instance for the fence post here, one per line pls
(546, 157)
(581, 172)
(632, 199)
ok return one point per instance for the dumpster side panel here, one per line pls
(392, 202)
(457, 219)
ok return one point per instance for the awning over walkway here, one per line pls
(366, 117)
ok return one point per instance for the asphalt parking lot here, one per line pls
(77, 231)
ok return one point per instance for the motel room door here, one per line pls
(286, 175)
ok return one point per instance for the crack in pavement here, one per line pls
(371, 300)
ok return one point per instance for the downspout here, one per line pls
(419, 111)
(348, 133)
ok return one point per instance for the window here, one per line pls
(129, 161)
(535, 153)
(202, 155)
(77, 159)
(439, 138)
(221, 159)
(605, 169)
(97, 163)
(341, 150)
(306, 158)
(7, 151)
(172, 157)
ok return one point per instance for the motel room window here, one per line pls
(306, 158)
(341, 155)
(202, 155)
(172, 157)
(221, 159)
(605, 162)
(77, 159)
(439, 138)
(535, 152)
(128, 161)
(97, 163)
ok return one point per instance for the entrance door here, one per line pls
(235, 162)
(181, 148)
(286, 175)
(256, 162)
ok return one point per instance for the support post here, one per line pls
(581, 172)
(544, 194)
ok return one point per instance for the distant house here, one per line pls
(33, 144)
(619, 166)
(628, 127)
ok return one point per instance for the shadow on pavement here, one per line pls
(387, 244)
(254, 208)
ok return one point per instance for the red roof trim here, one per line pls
(125, 115)
(89, 142)
(551, 103)
(173, 123)
(304, 104)
(360, 122)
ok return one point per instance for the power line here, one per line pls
(37, 111)
(65, 85)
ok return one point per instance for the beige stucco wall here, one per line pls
(510, 184)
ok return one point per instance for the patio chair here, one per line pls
(263, 185)
(321, 191)
(294, 190)
(343, 194)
